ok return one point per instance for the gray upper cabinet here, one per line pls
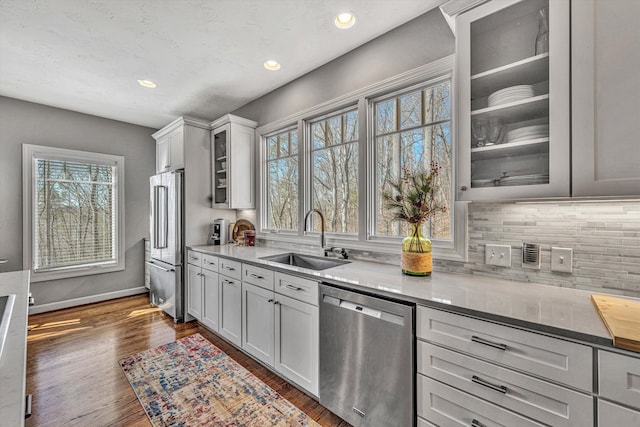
(233, 163)
(605, 97)
(512, 83)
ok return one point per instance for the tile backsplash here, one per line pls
(604, 236)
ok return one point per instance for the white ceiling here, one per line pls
(205, 55)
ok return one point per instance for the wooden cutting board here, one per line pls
(622, 318)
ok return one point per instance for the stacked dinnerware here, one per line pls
(528, 133)
(510, 94)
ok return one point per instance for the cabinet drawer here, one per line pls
(545, 402)
(194, 258)
(619, 378)
(612, 415)
(210, 262)
(540, 355)
(446, 406)
(424, 423)
(298, 288)
(257, 276)
(230, 268)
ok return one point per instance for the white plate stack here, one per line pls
(528, 133)
(510, 94)
(537, 178)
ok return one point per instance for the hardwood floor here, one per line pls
(74, 376)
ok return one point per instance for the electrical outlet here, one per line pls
(562, 259)
(499, 255)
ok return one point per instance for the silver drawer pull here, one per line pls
(499, 388)
(276, 302)
(271, 300)
(229, 268)
(257, 276)
(476, 423)
(479, 340)
(293, 288)
(228, 282)
(210, 263)
(193, 257)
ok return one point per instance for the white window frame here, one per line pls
(455, 249)
(29, 154)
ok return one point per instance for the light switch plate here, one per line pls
(562, 259)
(499, 255)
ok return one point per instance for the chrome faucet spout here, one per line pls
(319, 212)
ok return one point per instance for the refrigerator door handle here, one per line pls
(167, 270)
(161, 220)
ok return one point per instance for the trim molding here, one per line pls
(180, 121)
(58, 305)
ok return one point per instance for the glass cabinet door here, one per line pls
(513, 100)
(220, 167)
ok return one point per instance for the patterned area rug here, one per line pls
(191, 382)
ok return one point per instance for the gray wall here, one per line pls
(29, 123)
(418, 42)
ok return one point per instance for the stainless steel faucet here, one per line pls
(322, 241)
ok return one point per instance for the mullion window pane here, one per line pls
(282, 181)
(410, 110)
(335, 187)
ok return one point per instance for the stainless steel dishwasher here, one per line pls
(367, 362)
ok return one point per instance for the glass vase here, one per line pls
(416, 253)
(542, 39)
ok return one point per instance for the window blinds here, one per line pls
(74, 214)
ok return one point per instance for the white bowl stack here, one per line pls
(527, 133)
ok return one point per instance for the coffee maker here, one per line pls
(218, 232)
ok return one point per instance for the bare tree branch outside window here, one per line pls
(282, 181)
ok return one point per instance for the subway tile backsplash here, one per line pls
(604, 236)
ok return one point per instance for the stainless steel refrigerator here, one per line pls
(167, 229)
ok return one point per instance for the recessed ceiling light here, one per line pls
(271, 65)
(147, 83)
(345, 20)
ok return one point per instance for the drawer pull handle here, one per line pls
(293, 288)
(229, 268)
(276, 302)
(476, 423)
(271, 300)
(257, 276)
(499, 388)
(228, 282)
(210, 263)
(489, 343)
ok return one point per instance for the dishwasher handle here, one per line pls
(363, 309)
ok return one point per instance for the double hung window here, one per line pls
(74, 202)
(282, 180)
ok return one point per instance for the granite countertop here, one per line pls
(564, 312)
(13, 362)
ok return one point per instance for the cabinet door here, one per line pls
(194, 291)
(177, 148)
(163, 154)
(612, 415)
(230, 325)
(220, 166)
(605, 97)
(512, 114)
(257, 322)
(296, 333)
(241, 173)
(210, 300)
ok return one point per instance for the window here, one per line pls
(345, 154)
(334, 171)
(282, 180)
(411, 130)
(74, 205)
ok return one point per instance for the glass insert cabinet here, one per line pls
(512, 76)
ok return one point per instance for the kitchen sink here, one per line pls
(6, 307)
(305, 261)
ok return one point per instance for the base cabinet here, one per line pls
(210, 300)
(194, 291)
(296, 342)
(230, 309)
(612, 415)
(258, 322)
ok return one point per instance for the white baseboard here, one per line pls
(43, 308)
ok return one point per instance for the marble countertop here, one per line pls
(13, 362)
(554, 310)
